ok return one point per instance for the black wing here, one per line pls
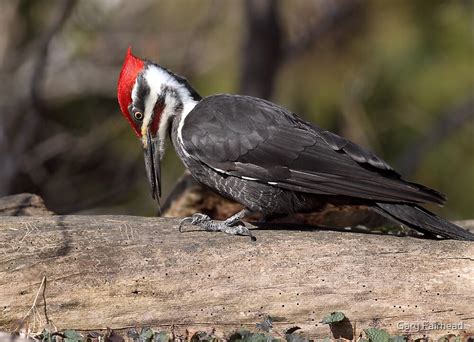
(255, 139)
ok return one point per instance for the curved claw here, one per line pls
(183, 221)
(194, 219)
(243, 230)
(252, 237)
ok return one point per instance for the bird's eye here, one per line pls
(138, 115)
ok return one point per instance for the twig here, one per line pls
(41, 59)
(33, 308)
(44, 301)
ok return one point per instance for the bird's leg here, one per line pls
(232, 225)
(235, 219)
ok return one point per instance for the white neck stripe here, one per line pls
(161, 82)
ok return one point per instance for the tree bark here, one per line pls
(122, 271)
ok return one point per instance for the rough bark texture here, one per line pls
(121, 271)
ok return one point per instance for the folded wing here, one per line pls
(255, 139)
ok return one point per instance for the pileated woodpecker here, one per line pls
(263, 156)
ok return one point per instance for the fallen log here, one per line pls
(123, 271)
(23, 205)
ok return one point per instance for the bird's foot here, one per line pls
(231, 226)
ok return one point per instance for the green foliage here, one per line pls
(148, 335)
(295, 338)
(72, 336)
(202, 336)
(333, 317)
(47, 336)
(377, 335)
(450, 338)
(162, 336)
(398, 338)
(248, 336)
(326, 339)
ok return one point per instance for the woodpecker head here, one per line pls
(150, 96)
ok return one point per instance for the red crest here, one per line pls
(132, 66)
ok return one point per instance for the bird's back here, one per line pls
(256, 140)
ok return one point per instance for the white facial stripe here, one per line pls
(166, 116)
(149, 106)
(134, 91)
(155, 78)
(159, 80)
(187, 108)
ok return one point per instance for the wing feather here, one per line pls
(250, 137)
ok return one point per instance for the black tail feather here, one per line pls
(423, 220)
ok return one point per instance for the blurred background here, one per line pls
(394, 76)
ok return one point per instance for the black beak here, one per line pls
(153, 167)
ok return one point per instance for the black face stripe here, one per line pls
(143, 90)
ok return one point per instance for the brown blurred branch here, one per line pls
(41, 62)
(33, 124)
(261, 53)
(448, 124)
(265, 50)
(338, 15)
